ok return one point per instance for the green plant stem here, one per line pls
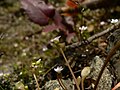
(78, 88)
(1, 88)
(49, 70)
(36, 81)
(60, 81)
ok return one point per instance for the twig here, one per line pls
(90, 39)
(78, 88)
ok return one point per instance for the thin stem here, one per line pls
(78, 88)
(1, 87)
(36, 81)
(60, 82)
(82, 84)
(49, 70)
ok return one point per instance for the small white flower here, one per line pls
(102, 23)
(87, 50)
(58, 69)
(83, 55)
(35, 66)
(114, 20)
(83, 28)
(44, 48)
(55, 39)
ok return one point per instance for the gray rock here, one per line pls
(54, 85)
(106, 79)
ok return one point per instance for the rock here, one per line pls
(106, 79)
(54, 85)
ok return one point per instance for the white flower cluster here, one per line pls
(114, 20)
(58, 69)
(44, 48)
(83, 28)
(102, 23)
